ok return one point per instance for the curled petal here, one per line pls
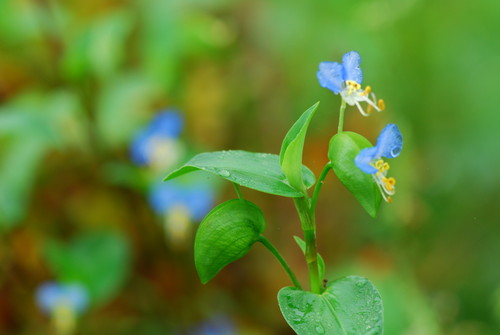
(364, 158)
(389, 142)
(330, 75)
(351, 68)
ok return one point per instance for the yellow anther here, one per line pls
(367, 91)
(369, 109)
(389, 200)
(381, 104)
(391, 181)
(379, 164)
(386, 166)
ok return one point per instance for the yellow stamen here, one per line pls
(369, 109)
(367, 91)
(386, 166)
(379, 164)
(381, 104)
(389, 200)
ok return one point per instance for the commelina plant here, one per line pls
(348, 305)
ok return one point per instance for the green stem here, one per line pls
(238, 191)
(309, 228)
(341, 116)
(282, 261)
(318, 186)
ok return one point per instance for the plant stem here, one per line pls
(341, 116)
(309, 228)
(318, 186)
(238, 191)
(280, 258)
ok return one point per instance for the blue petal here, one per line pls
(46, 296)
(364, 158)
(168, 124)
(330, 75)
(199, 200)
(77, 296)
(351, 68)
(140, 148)
(389, 142)
(165, 195)
(50, 295)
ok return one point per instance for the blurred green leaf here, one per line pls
(258, 171)
(123, 106)
(225, 235)
(97, 48)
(292, 147)
(344, 147)
(350, 305)
(100, 261)
(321, 263)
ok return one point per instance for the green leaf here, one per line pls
(99, 261)
(349, 306)
(258, 171)
(344, 147)
(292, 147)
(225, 235)
(321, 263)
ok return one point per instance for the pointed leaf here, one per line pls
(349, 306)
(344, 147)
(292, 147)
(321, 263)
(225, 235)
(258, 171)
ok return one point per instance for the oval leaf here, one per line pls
(292, 147)
(349, 306)
(258, 171)
(321, 263)
(344, 147)
(225, 235)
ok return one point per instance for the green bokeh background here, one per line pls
(79, 78)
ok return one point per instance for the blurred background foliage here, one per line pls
(80, 79)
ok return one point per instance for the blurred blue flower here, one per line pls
(369, 160)
(51, 295)
(181, 205)
(197, 198)
(346, 79)
(216, 326)
(157, 144)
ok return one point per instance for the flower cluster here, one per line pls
(346, 79)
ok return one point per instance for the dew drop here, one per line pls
(319, 329)
(224, 173)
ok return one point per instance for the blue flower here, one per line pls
(196, 199)
(369, 160)
(218, 325)
(346, 79)
(180, 205)
(157, 143)
(51, 296)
